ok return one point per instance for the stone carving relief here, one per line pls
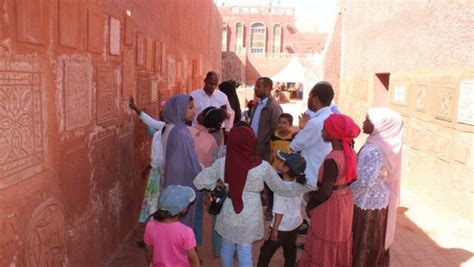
(114, 36)
(140, 49)
(158, 57)
(95, 31)
(129, 29)
(70, 26)
(76, 176)
(126, 156)
(149, 54)
(77, 93)
(420, 97)
(466, 103)
(171, 72)
(31, 20)
(445, 103)
(154, 90)
(107, 92)
(46, 235)
(399, 95)
(128, 74)
(143, 89)
(8, 234)
(104, 155)
(21, 152)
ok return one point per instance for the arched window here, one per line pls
(276, 48)
(257, 38)
(239, 37)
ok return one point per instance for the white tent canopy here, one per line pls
(293, 72)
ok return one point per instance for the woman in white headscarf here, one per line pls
(376, 192)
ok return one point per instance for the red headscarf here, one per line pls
(240, 158)
(344, 129)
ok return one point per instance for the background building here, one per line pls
(260, 41)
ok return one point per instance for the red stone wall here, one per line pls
(426, 48)
(71, 151)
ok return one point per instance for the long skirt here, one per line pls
(152, 191)
(369, 229)
(329, 239)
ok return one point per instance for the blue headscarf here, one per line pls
(181, 162)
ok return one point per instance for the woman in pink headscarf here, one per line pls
(376, 193)
(329, 239)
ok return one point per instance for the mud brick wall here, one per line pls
(71, 151)
(422, 50)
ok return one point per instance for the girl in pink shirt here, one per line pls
(168, 241)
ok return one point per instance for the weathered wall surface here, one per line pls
(426, 50)
(71, 152)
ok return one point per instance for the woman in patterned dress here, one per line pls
(377, 189)
(329, 239)
(240, 221)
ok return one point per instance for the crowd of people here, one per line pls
(311, 178)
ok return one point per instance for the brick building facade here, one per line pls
(416, 57)
(71, 151)
(260, 40)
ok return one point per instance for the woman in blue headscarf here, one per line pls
(181, 162)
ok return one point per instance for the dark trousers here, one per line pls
(287, 240)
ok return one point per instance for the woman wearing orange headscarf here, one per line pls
(329, 239)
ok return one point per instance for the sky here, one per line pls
(309, 15)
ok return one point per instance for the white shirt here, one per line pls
(157, 158)
(290, 208)
(217, 99)
(370, 190)
(310, 143)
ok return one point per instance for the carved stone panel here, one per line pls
(149, 54)
(104, 157)
(128, 74)
(76, 177)
(171, 69)
(126, 156)
(399, 95)
(95, 31)
(143, 89)
(140, 49)
(129, 31)
(158, 57)
(466, 103)
(46, 235)
(445, 103)
(154, 90)
(8, 232)
(31, 21)
(114, 36)
(21, 152)
(77, 93)
(107, 93)
(420, 97)
(70, 23)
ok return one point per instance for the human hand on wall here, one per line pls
(132, 105)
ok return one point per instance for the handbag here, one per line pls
(218, 196)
